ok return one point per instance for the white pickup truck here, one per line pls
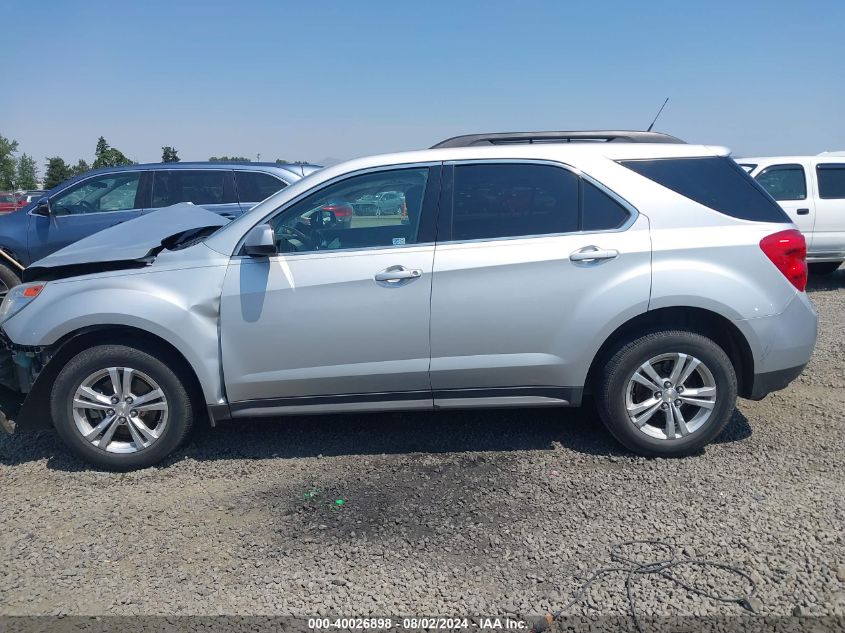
(811, 189)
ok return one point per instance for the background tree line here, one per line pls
(21, 172)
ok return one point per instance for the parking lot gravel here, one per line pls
(481, 512)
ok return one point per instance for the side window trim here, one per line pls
(787, 166)
(444, 229)
(430, 206)
(144, 197)
(230, 195)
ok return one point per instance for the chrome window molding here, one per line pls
(338, 252)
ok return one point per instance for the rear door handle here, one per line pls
(803, 212)
(397, 274)
(592, 253)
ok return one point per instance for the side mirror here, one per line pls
(42, 207)
(261, 241)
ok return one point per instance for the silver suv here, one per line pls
(657, 278)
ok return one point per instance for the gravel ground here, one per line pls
(452, 514)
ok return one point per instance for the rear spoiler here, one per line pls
(520, 138)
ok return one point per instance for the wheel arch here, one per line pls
(36, 406)
(699, 320)
(9, 258)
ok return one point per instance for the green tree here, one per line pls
(281, 161)
(229, 159)
(107, 156)
(57, 172)
(8, 165)
(169, 154)
(27, 173)
(80, 168)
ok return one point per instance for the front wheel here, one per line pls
(120, 408)
(667, 393)
(8, 279)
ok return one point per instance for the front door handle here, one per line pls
(803, 212)
(397, 274)
(592, 253)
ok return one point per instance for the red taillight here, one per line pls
(788, 252)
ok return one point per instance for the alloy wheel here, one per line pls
(120, 410)
(670, 396)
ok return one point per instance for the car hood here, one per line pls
(131, 244)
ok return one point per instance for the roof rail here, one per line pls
(519, 138)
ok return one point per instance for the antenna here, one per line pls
(657, 115)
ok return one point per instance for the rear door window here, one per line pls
(784, 182)
(716, 182)
(200, 187)
(511, 200)
(256, 186)
(831, 181)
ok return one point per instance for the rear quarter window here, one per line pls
(716, 182)
(600, 212)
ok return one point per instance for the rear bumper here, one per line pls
(764, 384)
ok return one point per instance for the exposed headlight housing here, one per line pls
(18, 298)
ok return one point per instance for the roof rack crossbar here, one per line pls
(606, 136)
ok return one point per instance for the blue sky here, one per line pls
(309, 80)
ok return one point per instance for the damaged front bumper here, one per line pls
(20, 364)
(19, 367)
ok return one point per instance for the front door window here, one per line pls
(112, 192)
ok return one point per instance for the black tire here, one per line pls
(9, 278)
(613, 381)
(180, 412)
(823, 268)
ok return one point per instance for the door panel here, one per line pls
(49, 234)
(320, 324)
(343, 311)
(520, 312)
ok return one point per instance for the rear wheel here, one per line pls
(823, 268)
(667, 393)
(8, 280)
(120, 408)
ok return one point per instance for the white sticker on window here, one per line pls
(398, 241)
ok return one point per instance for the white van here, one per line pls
(811, 189)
